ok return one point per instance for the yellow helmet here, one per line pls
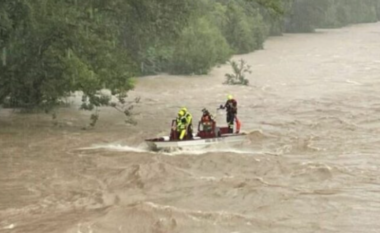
(184, 109)
(181, 113)
(230, 97)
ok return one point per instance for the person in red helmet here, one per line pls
(231, 109)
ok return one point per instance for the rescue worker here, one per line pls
(189, 120)
(181, 125)
(207, 120)
(231, 109)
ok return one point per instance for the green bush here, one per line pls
(343, 12)
(55, 48)
(152, 28)
(244, 32)
(306, 15)
(200, 47)
(156, 59)
(364, 11)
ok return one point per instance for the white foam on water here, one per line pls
(353, 82)
(115, 147)
(172, 152)
(11, 226)
(214, 149)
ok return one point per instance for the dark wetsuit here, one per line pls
(231, 108)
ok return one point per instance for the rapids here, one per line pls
(310, 165)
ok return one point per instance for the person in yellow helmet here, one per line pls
(231, 109)
(189, 122)
(181, 125)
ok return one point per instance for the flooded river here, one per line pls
(311, 163)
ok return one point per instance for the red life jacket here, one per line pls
(206, 118)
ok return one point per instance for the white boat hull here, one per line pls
(197, 142)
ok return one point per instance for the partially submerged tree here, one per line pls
(240, 69)
(51, 49)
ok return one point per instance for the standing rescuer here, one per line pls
(231, 109)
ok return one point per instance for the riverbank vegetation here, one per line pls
(50, 49)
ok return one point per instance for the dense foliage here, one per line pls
(306, 15)
(52, 48)
(342, 12)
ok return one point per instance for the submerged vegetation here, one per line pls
(53, 48)
(238, 76)
(50, 49)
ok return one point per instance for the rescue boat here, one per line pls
(204, 138)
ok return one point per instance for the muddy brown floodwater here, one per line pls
(311, 163)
